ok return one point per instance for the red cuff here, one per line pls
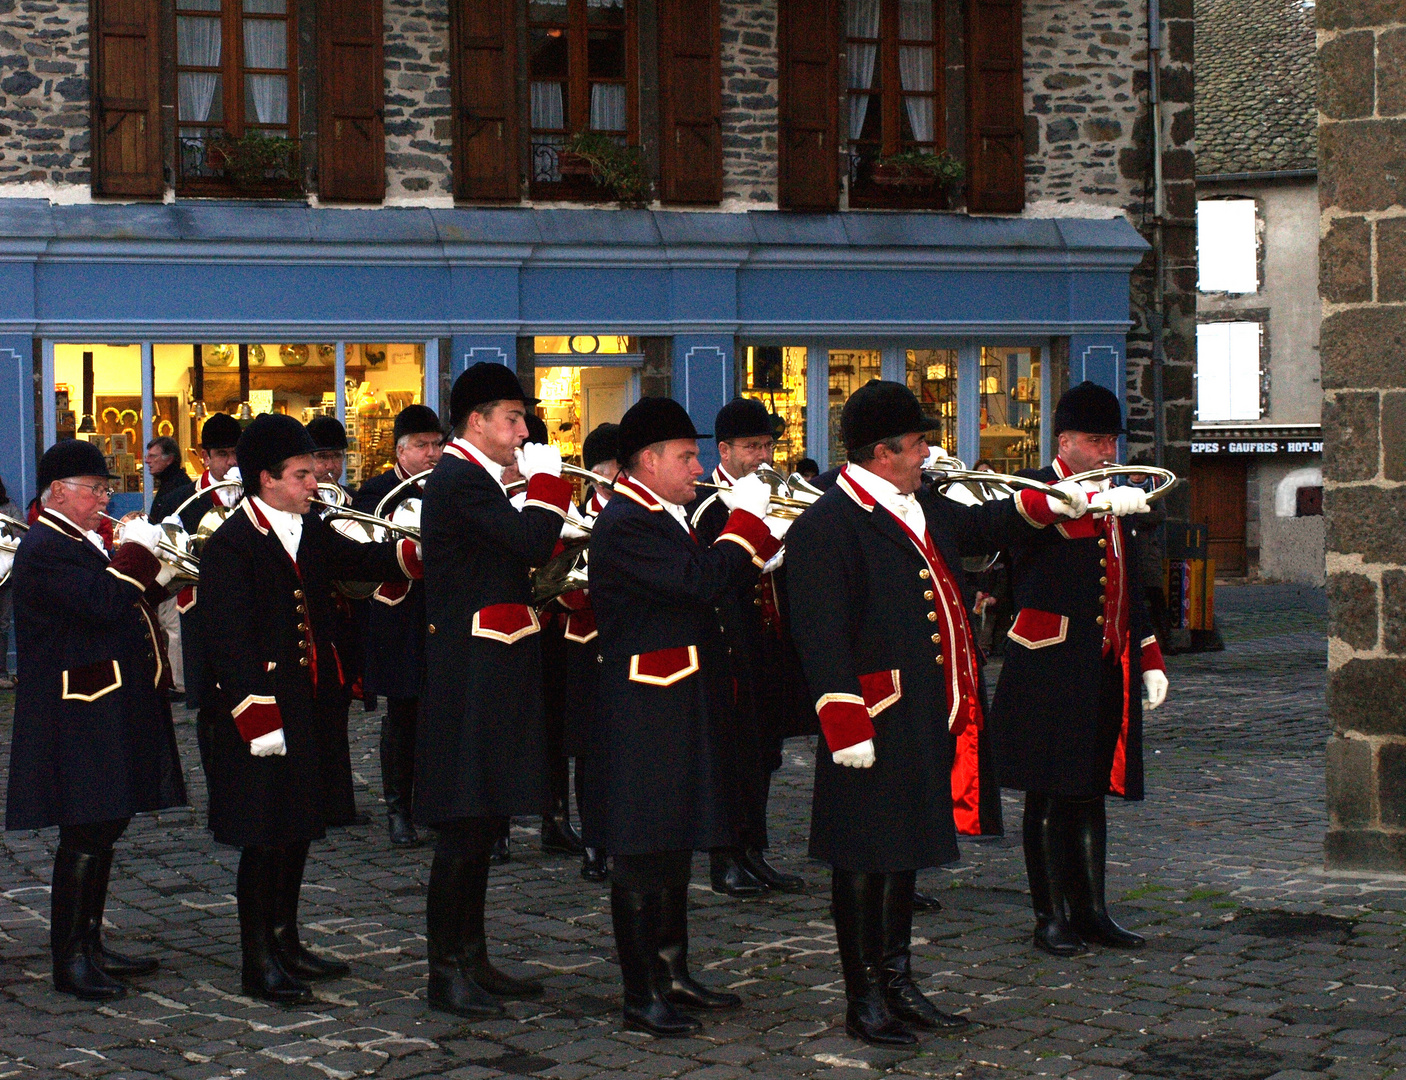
(1152, 655)
(750, 532)
(255, 716)
(1034, 507)
(549, 492)
(136, 564)
(391, 592)
(407, 551)
(844, 720)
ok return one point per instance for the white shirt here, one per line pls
(904, 507)
(287, 527)
(674, 509)
(94, 538)
(493, 468)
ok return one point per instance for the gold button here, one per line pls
(939, 661)
(303, 660)
(924, 574)
(1103, 581)
(297, 594)
(600, 659)
(1103, 599)
(1102, 542)
(927, 595)
(1103, 562)
(937, 639)
(302, 628)
(758, 601)
(302, 610)
(432, 628)
(932, 616)
(1099, 620)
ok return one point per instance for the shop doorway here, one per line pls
(1218, 502)
(577, 395)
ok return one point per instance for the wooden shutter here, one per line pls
(351, 138)
(483, 41)
(995, 107)
(126, 98)
(690, 101)
(809, 57)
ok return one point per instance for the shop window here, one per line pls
(776, 376)
(932, 376)
(581, 78)
(177, 378)
(1227, 371)
(381, 379)
(894, 100)
(1226, 255)
(236, 96)
(98, 397)
(849, 370)
(1010, 408)
(575, 400)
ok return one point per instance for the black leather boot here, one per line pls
(297, 959)
(729, 877)
(256, 890)
(476, 964)
(636, 917)
(594, 865)
(451, 988)
(398, 770)
(1045, 869)
(115, 964)
(1088, 847)
(901, 994)
(679, 986)
(753, 860)
(70, 922)
(501, 852)
(856, 901)
(923, 902)
(557, 834)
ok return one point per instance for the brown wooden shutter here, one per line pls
(483, 41)
(351, 137)
(690, 101)
(809, 57)
(126, 98)
(995, 107)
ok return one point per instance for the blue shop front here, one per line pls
(120, 323)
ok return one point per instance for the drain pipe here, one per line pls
(1158, 317)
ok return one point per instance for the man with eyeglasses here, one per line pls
(765, 668)
(93, 742)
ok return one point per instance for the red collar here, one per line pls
(401, 474)
(57, 521)
(257, 517)
(634, 490)
(1061, 470)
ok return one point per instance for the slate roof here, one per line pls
(1256, 86)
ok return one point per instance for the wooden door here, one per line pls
(605, 395)
(1218, 502)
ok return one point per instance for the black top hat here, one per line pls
(68, 458)
(269, 439)
(742, 418)
(482, 383)
(1090, 408)
(651, 420)
(881, 410)
(417, 420)
(326, 433)
(220, 432)
(603, 444)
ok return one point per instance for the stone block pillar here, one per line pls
(1362, 280)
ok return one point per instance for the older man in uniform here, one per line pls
(880, 622)
(665, 698)
(272, 677)
(1067, 716)
(395, 624)
(93, 742)
(479, 743)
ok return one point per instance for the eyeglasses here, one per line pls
(100, 491)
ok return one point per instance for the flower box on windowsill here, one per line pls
(570, 163)
(258, 166)
(908, 178)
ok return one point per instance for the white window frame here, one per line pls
(1228, 371)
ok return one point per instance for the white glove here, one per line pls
(166, 573)
(572, 528)
(172, 519)
(1120, 501)
(533, 458)
(7, 560)
(1078, 504)
(774, 563)
(234, 474)
(749, 494)
(858, 756)
(141, 531)
(1154, 682)
(269, 745)
(777, 526)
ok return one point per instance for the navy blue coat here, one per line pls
(393, 645)
(93, 739)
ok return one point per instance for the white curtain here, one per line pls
(268, 94)
(266, 43)
(607, 107)
(197, 45)
(915, 65)
(265, 7)
(547, 111)
(863, 20)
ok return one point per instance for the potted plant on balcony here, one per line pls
(613, 166)
(919, 172)
(256, 162)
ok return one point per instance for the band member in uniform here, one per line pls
(273, 674)
(479, 743)
(93, 742)
(880, 623)
(395, 625)
(762, 658)
(664, 695)
(1067, 716)
(173, 486)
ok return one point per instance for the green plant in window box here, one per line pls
(615, 167)
(919, 171)
(257, 161)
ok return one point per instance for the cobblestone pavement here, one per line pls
(1258, 964)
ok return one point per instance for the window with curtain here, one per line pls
(894, 93)
(581, 66)
(235, 73)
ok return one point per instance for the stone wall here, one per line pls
(44, 110)
(750, 86)
(1362, 280)
(419, 120)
